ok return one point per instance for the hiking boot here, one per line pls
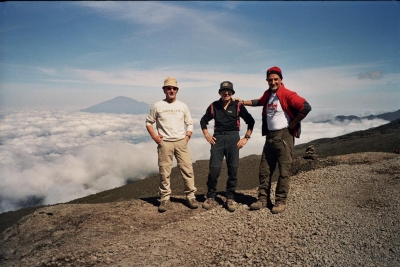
(230, 205)
(259, 204)
(164, 205)
(192, 203)
(278, 207)
(209, 203)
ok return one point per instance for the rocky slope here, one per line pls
(343, 211)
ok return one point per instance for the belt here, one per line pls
(226, 132)
(277, 130)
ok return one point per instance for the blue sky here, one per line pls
(343, 57)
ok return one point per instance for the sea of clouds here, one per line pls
(49, 157)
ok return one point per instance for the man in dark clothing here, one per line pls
(225, 142)
(282, 112)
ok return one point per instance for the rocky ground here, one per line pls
(343, 211)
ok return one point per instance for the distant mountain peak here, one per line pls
(122, 97)
(120, 105)
(388, 116)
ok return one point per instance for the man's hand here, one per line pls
(187, 138)
(292, 125)
(242, 142)
(296, 120)
(157, 138)
(210, 139)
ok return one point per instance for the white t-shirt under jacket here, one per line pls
(277, 118)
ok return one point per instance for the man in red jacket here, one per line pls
(282, 112)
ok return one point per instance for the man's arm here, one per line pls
(296, 120)
(301, 115)
(242, 142)
(188, 123)
(253, 102)
(203, 124)
(188, 135)
(150, 120)
(156, 137)
(246, 116)
(209, 138)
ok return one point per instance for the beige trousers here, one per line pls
(166, 152)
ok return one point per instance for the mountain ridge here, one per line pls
(388, 116)
(120, 105)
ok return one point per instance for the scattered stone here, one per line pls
(310, 153)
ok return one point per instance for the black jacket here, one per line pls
(229, 119)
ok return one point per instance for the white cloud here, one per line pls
(333, 88)
(312, 131)
(173, 18)
(60, 156)
(155, 77)
(44, 153)
(337, 79)
(145, 13)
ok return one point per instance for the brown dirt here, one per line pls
(119, 233)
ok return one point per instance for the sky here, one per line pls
(343, 57)
(57, 58)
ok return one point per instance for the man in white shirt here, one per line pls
(174, 126)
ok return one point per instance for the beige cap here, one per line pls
(171, 81)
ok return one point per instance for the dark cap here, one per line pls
(227, 85)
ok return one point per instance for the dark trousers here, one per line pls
(226, 145)
(278, 150)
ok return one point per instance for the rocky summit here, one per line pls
(343, 211)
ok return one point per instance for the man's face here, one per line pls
(170, 92)
(274, 81)
(225, 94)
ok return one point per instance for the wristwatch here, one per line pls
(247, 136)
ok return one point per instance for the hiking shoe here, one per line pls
(192, 203)
(259, 204)
(209, 203)
(278, 207)
(164, 205)
(230, 205)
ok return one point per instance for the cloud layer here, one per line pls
(51, 157)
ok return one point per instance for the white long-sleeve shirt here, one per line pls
(172, 119)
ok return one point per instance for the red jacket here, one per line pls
(291, 103)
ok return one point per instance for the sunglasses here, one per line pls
(170, 88)
(226, 91)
